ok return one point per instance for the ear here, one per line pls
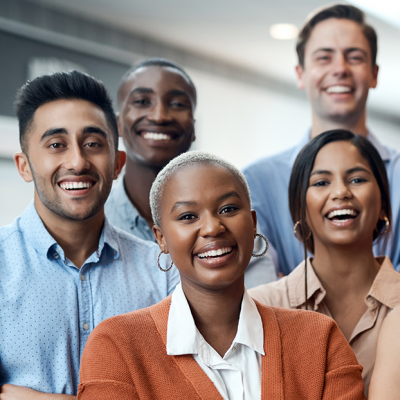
(254, 217)
(374, 82)
(300, 76)
(160, 239)
(120, 159)
(24, 169)
(194, 132)
(117, 115)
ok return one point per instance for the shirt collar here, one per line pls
(183, 336)
(123, 203)
(306, 138)
(40, 238)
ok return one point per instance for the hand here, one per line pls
(12, 392)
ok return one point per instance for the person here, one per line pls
(384, 382)
(64, 267)
(336, 67)
(157, 100)
(339, 202)
(210, 340)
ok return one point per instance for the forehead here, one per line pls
(158, 78)
(339, 156)
(202, 181)
(68, 114)
(335, 33)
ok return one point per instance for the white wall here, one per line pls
(239, 122)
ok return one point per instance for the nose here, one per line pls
(211, 226)
(159, 114)
(76, 159)
(341, 66)
(340, 191)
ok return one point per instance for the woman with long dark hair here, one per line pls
(339, 202)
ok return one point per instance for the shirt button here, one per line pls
(83, 277)
(85, 326)
(56, 255)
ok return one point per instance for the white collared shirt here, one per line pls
(237, 375)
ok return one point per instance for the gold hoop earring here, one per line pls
(158, 263)
(266, 245)
(387, 223)
(295, 231)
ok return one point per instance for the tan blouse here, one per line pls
(384, 295)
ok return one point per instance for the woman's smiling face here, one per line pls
(343, 197)
(207, 225)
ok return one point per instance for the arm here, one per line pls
(385, 383)
(12, 392)
(104, 373)
(343, 379)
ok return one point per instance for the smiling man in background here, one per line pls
(336, 67)
(64, 268)
(156, 101)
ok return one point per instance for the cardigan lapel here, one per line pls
(271, 363)
(186, 363)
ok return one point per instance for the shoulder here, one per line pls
(12, 232)
(273, 293)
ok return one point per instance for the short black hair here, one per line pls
(158, 62)
(339, 11)
(302, 168)
(72, 85)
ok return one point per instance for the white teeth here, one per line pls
(335, 213)
(214, 253)
(338, 89)
(156, 136)
(75, 185)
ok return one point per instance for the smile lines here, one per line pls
(76, 185)
(215, 253)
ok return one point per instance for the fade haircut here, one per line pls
(72, 85)
(157, 62)
(339, 11)
(185, 160)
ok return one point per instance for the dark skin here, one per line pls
(204, 208)
(157, 124)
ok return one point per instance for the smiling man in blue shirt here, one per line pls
(64, 268)
(337, 67)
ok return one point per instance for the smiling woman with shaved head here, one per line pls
(340, 205)
(210, 340)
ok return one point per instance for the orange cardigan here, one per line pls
(306, 357)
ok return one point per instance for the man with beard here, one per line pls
(337, 67)
(64, 268)
(156, 101)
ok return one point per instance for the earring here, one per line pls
(158, 263)
(295, 231)
(266, 245)
(387, 223)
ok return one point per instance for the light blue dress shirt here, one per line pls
(48, 307)
(121, 213)
(268, 180)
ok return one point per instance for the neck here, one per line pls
(355, 124)
(216, 312)
(78, 239)
(345, 270)
(138, 181)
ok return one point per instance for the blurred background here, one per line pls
(248, 102)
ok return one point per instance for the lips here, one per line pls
(76, 185)
(342, 216)
(339, 89)
(158, 135)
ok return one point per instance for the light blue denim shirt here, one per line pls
(268, 180)
(121, 213)
(48, 307)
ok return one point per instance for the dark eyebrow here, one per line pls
(52, 132)
(320, 172)
(141, 90)
(178, 92)
(229, 194)
(323, 49)
(358, 169)
(87, 130)
(183, 203)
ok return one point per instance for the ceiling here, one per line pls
(236, 31)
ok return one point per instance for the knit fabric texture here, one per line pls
(125, 358)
